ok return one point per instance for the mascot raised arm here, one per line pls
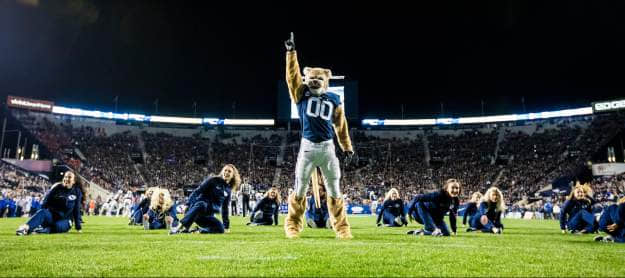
(321, 117)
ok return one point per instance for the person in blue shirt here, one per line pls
(392, 214)
(136, 218)
(35, 205)
(548, 210)
(60, 208)
(11, 205)
(471, 208)
(3, 205)
(378, 207)
(430, 210)
(576, 214)
(210, 197)
(487, 219)
(318, 217)
(162, 211)
(612, 222)
(266, 211)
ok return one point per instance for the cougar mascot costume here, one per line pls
(321, 116)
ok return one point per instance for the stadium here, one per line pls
(111, 167)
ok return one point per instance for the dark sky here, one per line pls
(79, 52)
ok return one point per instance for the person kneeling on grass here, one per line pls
(393, 213)
(136, 218)
(612, 222)
(430, 209)
(162, 211)
(266, 211)
(60, 206)
(471, 208)
(487, 219)
(318, 217)
(576, 213)
(211, 197)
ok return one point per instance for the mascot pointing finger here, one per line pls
(321, 117)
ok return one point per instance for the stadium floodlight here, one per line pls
(136, 117)
(160, 119)
(248, 122)
(67, 111)
(212, 121)
(481, 120)
(175, 120)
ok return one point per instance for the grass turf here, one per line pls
(109, 247)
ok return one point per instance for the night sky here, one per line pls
(230, 59)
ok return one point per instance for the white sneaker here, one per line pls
(437, 232)
(398, 221)
(177, 229)
(22, 230)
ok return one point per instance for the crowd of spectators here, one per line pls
(520, 163)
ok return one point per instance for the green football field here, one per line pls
(109, 247)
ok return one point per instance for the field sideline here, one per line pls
(109, 247)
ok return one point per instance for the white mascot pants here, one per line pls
(322, 155)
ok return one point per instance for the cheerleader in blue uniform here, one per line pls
(60, 209)
(266, 211)
(430, 210)
(162, 211)
(576, 214)
(612, 222)
(393, 213)
(487, 219)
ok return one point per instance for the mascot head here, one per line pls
(317, 80)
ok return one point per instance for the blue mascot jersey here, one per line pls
(316, 114)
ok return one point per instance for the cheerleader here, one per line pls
(318, 217)
(576, 214)
(212, 196)
(471, 208)
(266, 211)
(142, 208)
(162, 211)
(430, 210)
(60, 208)
(612, 222)
(392, 214)
(487, 219)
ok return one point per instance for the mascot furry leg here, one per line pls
(294, 222)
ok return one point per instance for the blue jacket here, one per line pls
(269, 208)
(11, 207)
(317, 214)
(64, 203)
(396, 208)
(216, 193)
(160, 217)
(469, 212)
(438, 204)
(490, 210)
(621, 215)
(34, 205)
(572, 207)
(144, 205)
(548, 207)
